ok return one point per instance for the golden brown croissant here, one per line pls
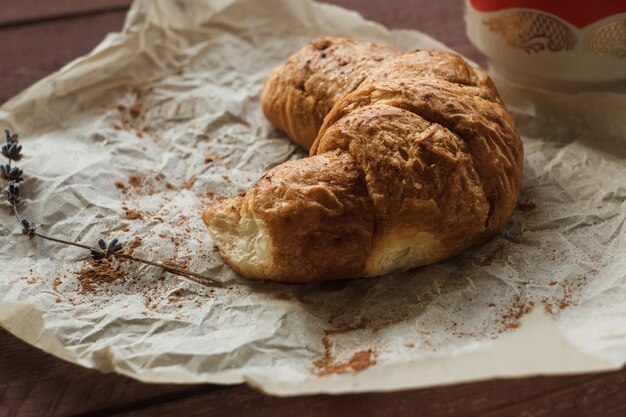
(415, 159)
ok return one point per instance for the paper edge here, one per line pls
(44, 339)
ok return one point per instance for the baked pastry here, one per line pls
(416, 160)
(301, 92)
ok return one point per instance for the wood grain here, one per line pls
(21, 11)
(33, 383)
(561, 396)
(30, 52)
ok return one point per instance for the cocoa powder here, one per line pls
(136, 242)
(132, 214)
(135, 180)
(329, 365)
(95, 273)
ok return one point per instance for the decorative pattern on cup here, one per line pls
(533, 31)
(608, 40)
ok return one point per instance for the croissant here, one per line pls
(413, 159)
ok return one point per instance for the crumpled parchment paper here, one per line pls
(134, 139)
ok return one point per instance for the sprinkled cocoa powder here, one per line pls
(120, 185)
(512, 316)
(329, 365)
(176, 263)
(135, 110)
(136, 242)
(135, 180)
(95, 273)
(189, 184)
(30, 280)
(55, 284)
(132, 214)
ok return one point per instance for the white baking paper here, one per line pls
(136, 138)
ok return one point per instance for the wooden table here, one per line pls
(39, 36)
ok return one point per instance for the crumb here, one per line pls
(120, 185)
(121, 107)
(55, 284)
(135, 180)
(132, 214)
(135, 110)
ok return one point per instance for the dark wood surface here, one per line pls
(38, 37)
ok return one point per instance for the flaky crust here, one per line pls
(315, 209)
(416, 162)
(301, 92)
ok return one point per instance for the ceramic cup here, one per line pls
(552, 42)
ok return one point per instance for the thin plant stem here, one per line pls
(192, 276)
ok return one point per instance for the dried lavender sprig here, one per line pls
(190, 275)
(11, 138)
(104, 250)
(11, 174)
(12, 151)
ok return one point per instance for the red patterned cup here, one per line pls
(552, 42)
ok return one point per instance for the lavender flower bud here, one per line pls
(105, 250)
(114, 246)
(11, 138)
(97, 255)
(12, 151)
(28, 228)
(11, 173)
(12, 192)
